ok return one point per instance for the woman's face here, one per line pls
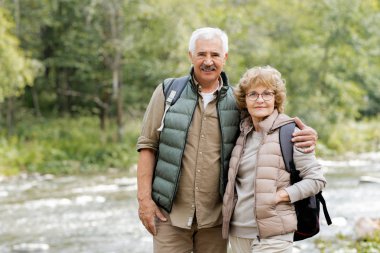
(260, 102)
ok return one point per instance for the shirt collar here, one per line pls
(199, 87)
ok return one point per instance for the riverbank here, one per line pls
(98, 213)
(349, 199)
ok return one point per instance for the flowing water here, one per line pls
(98, 214)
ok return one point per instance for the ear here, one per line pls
(190, 57)
(225, 57)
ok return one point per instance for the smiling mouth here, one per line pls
(208, 68)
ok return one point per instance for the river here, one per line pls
(98, 214)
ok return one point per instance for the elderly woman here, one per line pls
(258, 214)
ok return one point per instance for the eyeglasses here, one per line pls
(266, 95)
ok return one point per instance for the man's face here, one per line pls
(208, 60)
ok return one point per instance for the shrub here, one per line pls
(66, 145)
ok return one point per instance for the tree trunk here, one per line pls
(62, 88)
(36, 104)
(120, 125)
(10, 115)
(104, 97)
(113, 58)
(102, 123)
(102, 118)
(118, 98)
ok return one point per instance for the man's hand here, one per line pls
(148, 211)
(306, 138)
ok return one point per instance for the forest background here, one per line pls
(76, 75)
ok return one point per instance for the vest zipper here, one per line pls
(221, 177)
(180, 165)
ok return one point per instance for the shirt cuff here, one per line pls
(144, 142)
(293, 193)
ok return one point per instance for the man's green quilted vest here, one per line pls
(173, 141)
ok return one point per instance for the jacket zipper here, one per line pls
(254, 190)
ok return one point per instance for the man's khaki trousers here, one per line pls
(170, 239)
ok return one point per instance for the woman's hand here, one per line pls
(282, 196)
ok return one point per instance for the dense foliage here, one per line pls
(16, 70)
(64, 59)
(61, 146)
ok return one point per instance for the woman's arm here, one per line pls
(311, 173)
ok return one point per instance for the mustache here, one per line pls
(208, 67)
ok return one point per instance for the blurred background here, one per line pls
(76, 76)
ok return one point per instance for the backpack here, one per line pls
(307, 210)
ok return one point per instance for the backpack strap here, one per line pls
(172, 89)
(286, 145)
(324, 206)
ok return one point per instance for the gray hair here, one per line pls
(208, 33)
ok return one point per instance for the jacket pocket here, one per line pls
(285, 208)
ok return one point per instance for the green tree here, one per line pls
(16, 69)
